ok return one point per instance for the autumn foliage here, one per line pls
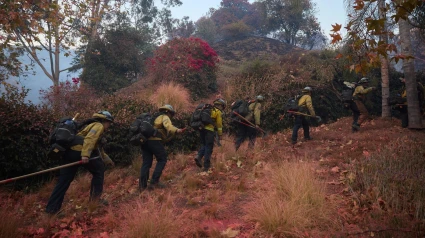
(190, 62)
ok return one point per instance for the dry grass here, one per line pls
(151, 220)
(173, 94)
(9, 228)
(393, 177)
(295, 202)
(191, 183)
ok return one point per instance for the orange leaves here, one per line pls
(335, 38)
(359, 5)
(336, 27)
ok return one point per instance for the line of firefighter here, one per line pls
(92, 133)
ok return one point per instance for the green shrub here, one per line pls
(25, 132)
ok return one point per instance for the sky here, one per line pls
(328, 12)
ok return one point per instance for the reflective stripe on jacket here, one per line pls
(91, 134)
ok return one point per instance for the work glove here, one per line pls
(108, 162)
(373, 88)
(319, 119)
(179, 131)
(85, 159)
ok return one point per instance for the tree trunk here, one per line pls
(385, 81)
(415, 121)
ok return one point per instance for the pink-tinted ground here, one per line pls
(218, 204)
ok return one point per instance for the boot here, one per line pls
(198, 162)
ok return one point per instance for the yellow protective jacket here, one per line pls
(216, 115)
(360, 93)
(166, 130)
(92, 135)
(421, 94)
(254, 113)
(305, 104)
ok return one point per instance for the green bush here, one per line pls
(25, 131)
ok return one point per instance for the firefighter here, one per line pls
(305, 105)
(254, 116)
(91, 138)
(207, 135)
(359, 96)
(154, 146)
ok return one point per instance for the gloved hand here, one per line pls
(108, 162)
(373, 88)
(179, 131)
(85, 159)
(319, 119)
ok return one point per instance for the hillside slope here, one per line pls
(220, 204)
(252, 47)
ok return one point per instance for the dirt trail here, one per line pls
(215, 204)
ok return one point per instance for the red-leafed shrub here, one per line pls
(190, 62)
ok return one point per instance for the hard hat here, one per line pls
(104, 115)
(259, 98)
(307, 90)
(363, 80)
(168, 107)
(220, 101)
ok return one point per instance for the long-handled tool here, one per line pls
(304, 114)
(250, 123)
(45, 171)
(243, 123)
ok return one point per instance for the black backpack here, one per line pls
(241, 107)
(64, 136)
(142, 128)
(292, 104)
(201, 116)
(347, 95)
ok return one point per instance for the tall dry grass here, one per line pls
(9, 226)
(295, 201)
(393, 177)
(151, 219)
(173, 94)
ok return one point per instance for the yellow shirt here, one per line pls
(91, 134)
(305, 103)
(360, 93)
(166, 130)
(216, 115)
(254, 113)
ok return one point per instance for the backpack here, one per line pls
(292, 104)
(201, 116)
(64, 136)
(241, 107)
(347, 94)
(142, 128)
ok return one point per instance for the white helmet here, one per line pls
(307, 90)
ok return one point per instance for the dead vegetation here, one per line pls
(340, 184)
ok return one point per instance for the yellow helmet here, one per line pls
(105, 115)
